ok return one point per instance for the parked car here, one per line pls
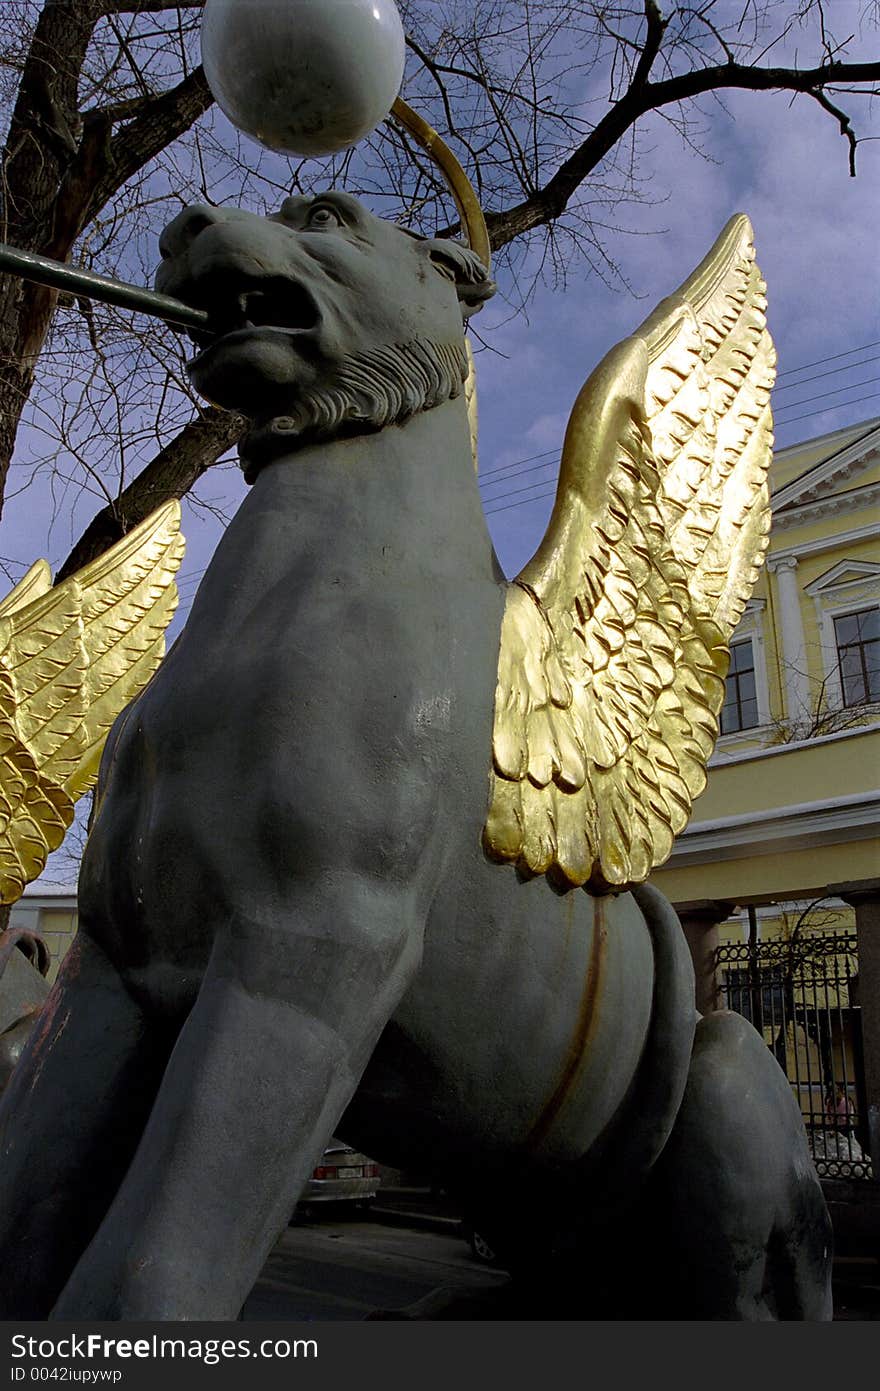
(344, 1175)
(481, 1249)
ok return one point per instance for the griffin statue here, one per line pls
(369, 852)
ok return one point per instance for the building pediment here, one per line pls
(846, 479)
(842, 575)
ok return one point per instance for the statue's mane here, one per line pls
(372, 390)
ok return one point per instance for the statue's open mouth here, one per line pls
(274, 302)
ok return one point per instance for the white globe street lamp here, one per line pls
(307, 77)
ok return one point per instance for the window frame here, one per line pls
(851, 586)
(751, 627)
(734, 676)
(867, 698)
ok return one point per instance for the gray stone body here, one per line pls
(288, 927)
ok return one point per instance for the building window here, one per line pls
(740, 708)
(858, 654)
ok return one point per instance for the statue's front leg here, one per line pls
(70, 1121)
(286, 1019)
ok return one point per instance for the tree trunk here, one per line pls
(170, 475)
(59, 169)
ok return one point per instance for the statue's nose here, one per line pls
(180, 233)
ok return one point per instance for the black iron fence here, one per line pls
(802, 997)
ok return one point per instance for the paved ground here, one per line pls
(856, 1278)
(347, 1268)
(410, 1252)
(856, 1289)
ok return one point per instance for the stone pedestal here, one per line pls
(700, 922)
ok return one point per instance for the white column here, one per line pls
(794, 648)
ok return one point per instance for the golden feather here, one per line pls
(614, 643)
(33, 586)
(71, 658)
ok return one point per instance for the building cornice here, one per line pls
(841, 466)
(720, 759)
(805, 826)
(55, 894)
(820, 544)
(834, 505)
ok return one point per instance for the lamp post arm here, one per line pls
(77, 281)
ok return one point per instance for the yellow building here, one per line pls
(50, 913)
(790, 812)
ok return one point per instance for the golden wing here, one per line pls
(614, 643)
(34, 585)
(72, 657)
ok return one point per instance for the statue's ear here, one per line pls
(463, 266)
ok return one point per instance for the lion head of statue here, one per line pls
(323, 320)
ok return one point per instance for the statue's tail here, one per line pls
(634, 1139)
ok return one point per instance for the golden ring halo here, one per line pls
(472, 220)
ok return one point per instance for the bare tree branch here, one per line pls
(653, 39)
(844, 123)
(171, 474)
(149, 6)
(550, 201)
(159, 122)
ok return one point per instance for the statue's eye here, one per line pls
(324, 217)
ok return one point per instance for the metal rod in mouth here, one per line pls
(77, 281)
